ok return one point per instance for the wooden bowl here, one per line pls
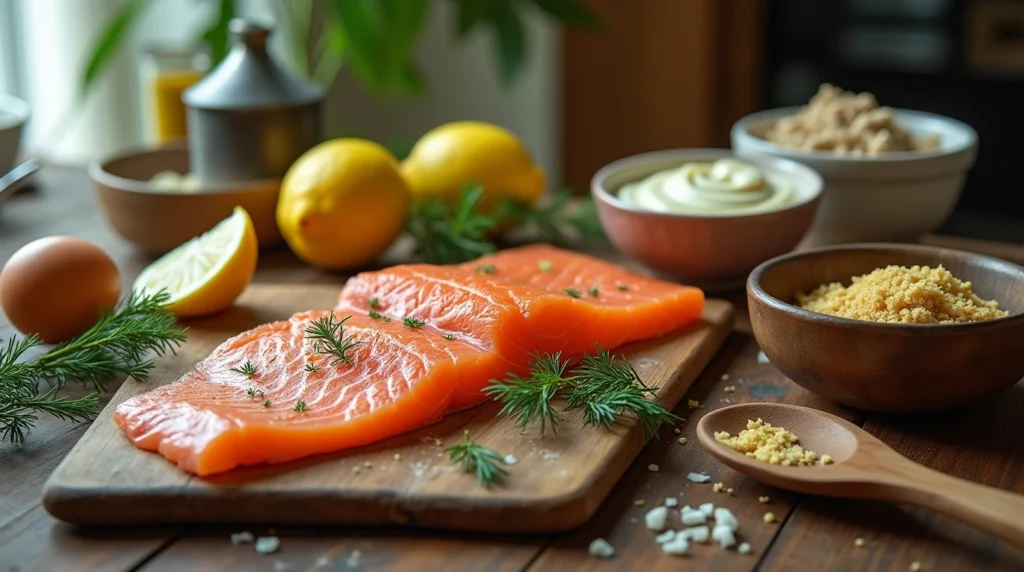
(883, 367)
(158, 220)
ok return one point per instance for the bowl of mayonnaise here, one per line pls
(704, 215)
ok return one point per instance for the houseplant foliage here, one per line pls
(377, 38)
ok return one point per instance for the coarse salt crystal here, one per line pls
(723, 535)
(698, 478)
(665, 536)
(511, 459)
(744, 548)
(656, 518)
(652, 468)
(599, 547)
(677, 546)
(267, 544)
(725, 517)
(691, 517)
(244, 537)
(699, 534)
(707, 508)
(671, 502)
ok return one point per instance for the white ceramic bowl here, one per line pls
(890, 197)
(713, 252)
(13, 115)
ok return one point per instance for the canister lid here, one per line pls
(248, 78)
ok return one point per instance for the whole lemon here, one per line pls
(450, 155)
(342, 203)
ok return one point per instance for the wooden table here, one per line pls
(985, 444)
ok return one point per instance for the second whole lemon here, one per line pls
(342, 203)
(451, 155)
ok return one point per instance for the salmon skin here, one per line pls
(429, 339)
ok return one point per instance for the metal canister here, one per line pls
(250, 118)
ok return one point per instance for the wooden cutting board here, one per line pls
(557, 482)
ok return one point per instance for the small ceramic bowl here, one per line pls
(889, 197)
(713, 252)
(159, 220)
(896, 368)
(13, 115)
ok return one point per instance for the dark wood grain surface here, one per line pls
(985, 444)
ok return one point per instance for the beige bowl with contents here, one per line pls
(888, 197)
(711, 251)
(158, 220)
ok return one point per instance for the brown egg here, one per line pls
(57, 287)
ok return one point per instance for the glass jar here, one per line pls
(165, 73)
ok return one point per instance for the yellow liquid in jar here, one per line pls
(166, 108)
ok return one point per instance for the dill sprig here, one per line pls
(558, 221)
(120, 343)
(300, 406)
(451, 233)
(252, 392)
(312, 368)
(573, 292)
(603, 386)
(413, 322)
(474, 457)
(248, 369)
(594, 292)
(373, 302)
(329, 338)
(448, 337)
(486, 269)
(529, 399)
(374, 315)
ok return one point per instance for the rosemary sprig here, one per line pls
(474, 457)
(329, 338)
(529, 399)
(603, 386)
(120, 343)
(248, 369)
(413, 322)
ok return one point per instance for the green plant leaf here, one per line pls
(355, 19)
(469, 13)
(297, 15)
(216, 35)
(568, 12)
(329, 53)
(510, 42)
(379, 36)
(105, 48)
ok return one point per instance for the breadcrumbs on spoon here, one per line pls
(774, 445)
(902, 295)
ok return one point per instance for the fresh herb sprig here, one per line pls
(560, 221)
(121, 343)
(329, 338)
(474, 457)
(248, 369)
(603, 386)
(448, 234)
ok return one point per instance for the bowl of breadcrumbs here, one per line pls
(892, 327)
(890, 174)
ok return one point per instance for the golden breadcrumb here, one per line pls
(897, 294)
(773, 445)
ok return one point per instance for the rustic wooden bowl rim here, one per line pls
(601, 193)
(755, 290)
(99, 173)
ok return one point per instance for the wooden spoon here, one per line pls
(862, 467)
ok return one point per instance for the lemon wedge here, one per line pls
(206, 274)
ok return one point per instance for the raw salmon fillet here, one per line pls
(480, 321)
(518, 302)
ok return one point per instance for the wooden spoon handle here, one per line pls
(993, 510)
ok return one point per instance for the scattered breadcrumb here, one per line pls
(599, 547)
(357, 468)
(763, 500)
(652, 468)
(267, 544)
(638, 502)
(744, 548)
(438, 442)
(398, 456)
(244, 537)
(725, 377)
(762, 441)
(677, 430)
(729, 388)
(634, 520)
(826, 459)
(915, 566)
(368, 464)
(898, 294)
(859, 542)
(769, 517)
(682, 440)
(730, 491)
(693, 403)
(719, 487)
